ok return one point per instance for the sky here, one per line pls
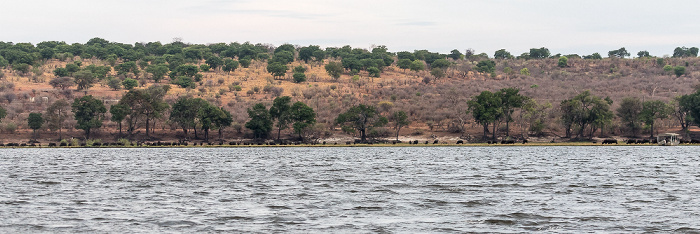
(566, 27)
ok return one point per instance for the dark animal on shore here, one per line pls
(609, 141)
(435, 142)
(525, 141)
(415, 142)
(460, 142)
(631, 141)
(52, 144)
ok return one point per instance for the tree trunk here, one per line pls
(363, 137)
(398, 129)
(279, 131)
(493, 134)
(507, 128)
(652, 130)
(486, 130)
(148, 135)
(206, 135)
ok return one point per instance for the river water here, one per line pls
(340, 190)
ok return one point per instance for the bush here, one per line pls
(10, 127)
(114, 83)
(204, 67)
(299, 77)
(184, 82)
(129, 83)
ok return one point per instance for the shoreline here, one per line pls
(534, 144)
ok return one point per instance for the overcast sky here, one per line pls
(581, 27)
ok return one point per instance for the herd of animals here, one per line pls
(243, 143)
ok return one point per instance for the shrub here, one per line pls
(114, 83)
(299, 77)
(184, 82)
(204, 67)
(10, 127)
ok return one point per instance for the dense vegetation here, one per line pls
(247, 91)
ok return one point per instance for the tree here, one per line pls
(400, 119)
(260, 121)
(88, 112)
(629, 113)
(334, 69)
(245, 62)
(685, 52)
(214, 62)
(510, 100)
(455, 54)
(486, 66)
(129, 83)
(619, 53)
(84, 79)
(222, 119)
(34, 122)
(525, 71)
(185, 113)
(361, 118)
(119, 112)
(145, 104)
(61, 82)
(56, 114)
(563, 62)
(681, 107)
(539, 53)
(440, 63)
(502, 54)
(679, 70)
(306, 53)
(643, 54)
(302, 117)
(485, 109)
(184, 82)
(277, 69)
(593, 56)
(404, 64)
(652, 110)
(158, 71)
(587, 111)
(60, 72)
(417, 65)
(374, 72)
(299, 77)
(437, 73)
(231, 65)
(279, 111)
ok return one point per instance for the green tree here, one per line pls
(653, 110)
(89, 113)
(679, 71)
(587, 111)
(502, 54)
(619, 53)
(230, 65)
(334, 69)
(279, 111)
(260, 121)
(214, 62)
(185, 113)
(629, 112)
(455, 54)
(486, 110)
(299, 77)
(404, 64)
(441, 63)
(374, 72)
(593, 56)
(34, 122)
(119, 112)
(361, 118)
(61, 72)
(400, 119)
(539, 53)
(222, 119)
(302, 117)
(277, 69)
(417, 65)
(184, 82)
(57, 114)
(62, 82)
(158, 71)
(145, 105)
(510, 100)
(681, 108)
(129, 83)
(643, 54)
(245, 62)
(84, 79)
(486, 66)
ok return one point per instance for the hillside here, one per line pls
(436, 106)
